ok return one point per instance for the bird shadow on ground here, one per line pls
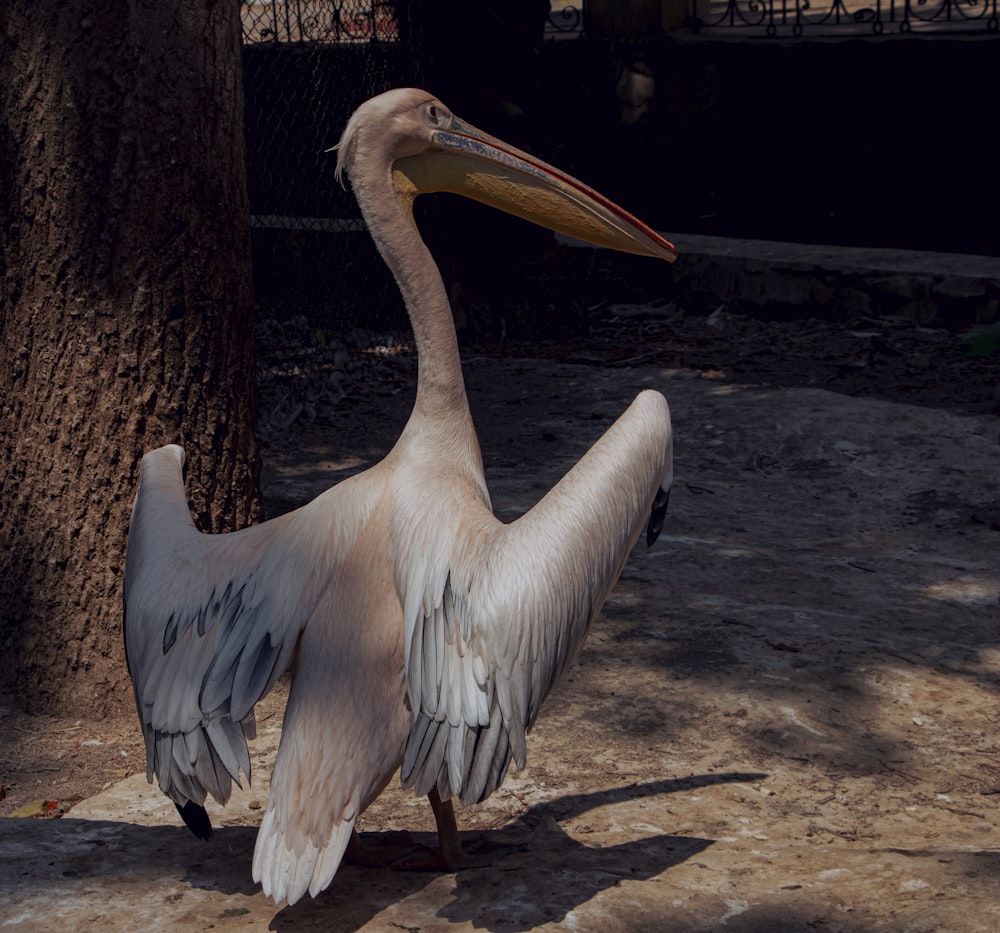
(36, 855)
(556, 875)
(516, 878)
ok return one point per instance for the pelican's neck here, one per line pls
(388, 213)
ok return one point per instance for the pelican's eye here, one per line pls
(434, 114)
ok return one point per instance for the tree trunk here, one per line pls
(125, 312)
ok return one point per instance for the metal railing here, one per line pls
(844, 17)
(319, 21)
(565, 20)
(309, 21)
(355, 21)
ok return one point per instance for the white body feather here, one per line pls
(425, 632)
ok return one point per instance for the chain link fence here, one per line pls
(307, 65)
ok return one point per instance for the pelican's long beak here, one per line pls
(467, 161)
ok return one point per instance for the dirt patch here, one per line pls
(787, 717)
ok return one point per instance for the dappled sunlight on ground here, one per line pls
(786, 718)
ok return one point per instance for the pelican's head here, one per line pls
(430, 149)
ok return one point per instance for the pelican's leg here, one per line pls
(410, 856)
(446, 857)
(448, 840)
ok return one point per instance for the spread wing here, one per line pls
(211, 622)
(492, 621)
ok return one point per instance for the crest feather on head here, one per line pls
(345, 148)
(373, 111)
(373, 115)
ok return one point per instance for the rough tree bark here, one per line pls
(125, 312)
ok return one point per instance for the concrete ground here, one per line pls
(785, 720)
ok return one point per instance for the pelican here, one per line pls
(423, 633)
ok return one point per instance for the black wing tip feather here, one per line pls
(657, 516)
(196, 819)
